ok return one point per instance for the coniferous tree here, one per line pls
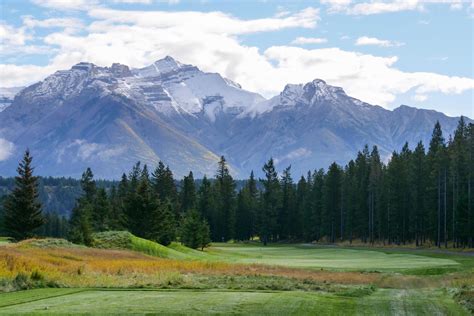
(188, 193)
(194, 231)
(247, 203)
(225, 201)
(22, 210)
(207, 206)
(436, 170)
(101, 217)
(270, 203)
(81, 228)
(287, 207)
(331, 198)
(375, 193)
(303, 221)
(163, 183)
(163, 229)
(418, 175)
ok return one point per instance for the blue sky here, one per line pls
(412, 52)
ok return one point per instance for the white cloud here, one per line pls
(380, 7)
(211, 41)
(133, 1)
(66, 23)
(360, 74)
(209, 22)
(308, 40)
(21, 75)
(67, 5)
(365, 40)
(6, 149)
(11, 36)
(420, 97)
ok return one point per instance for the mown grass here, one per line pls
(186, 302)
(330, 258)
(342, 276)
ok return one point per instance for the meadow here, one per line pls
(127, 274)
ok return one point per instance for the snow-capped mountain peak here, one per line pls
(162, 67)
(318, 90)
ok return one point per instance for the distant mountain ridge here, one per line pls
(107, 118)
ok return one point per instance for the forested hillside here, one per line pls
(421, 196)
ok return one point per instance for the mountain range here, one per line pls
(107, 118)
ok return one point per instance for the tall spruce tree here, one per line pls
(194, 231)
(287, 207)
(225, 201)
(188, 193)
(22, 210)
(81, 228)
(270, 203)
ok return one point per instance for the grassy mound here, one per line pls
(126, 240)
(188, 251)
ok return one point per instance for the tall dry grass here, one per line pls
(89, 267)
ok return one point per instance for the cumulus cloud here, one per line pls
(9, 35)
(67, 4)
(308, 40)
(6, 149)
(212, 41)
(420, 97)
(360, 74)
(379, 7)
(69, 24)
(365, 40)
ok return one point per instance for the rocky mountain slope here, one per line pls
(108, 118)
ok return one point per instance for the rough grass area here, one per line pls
(185, 302)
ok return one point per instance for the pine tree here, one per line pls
(101, 217)
(225, 201)
(81, 228)
(22, 210)
(188, 193)
(207, 206)
(303, 221)
(163, 224)
(436, 169)
(375, 188)
(287, 208)
(163, 183)
(418, 174)
(270, 203)
(194, 231)
(332, 200)
(247, 203)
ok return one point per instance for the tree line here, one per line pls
(421, 196)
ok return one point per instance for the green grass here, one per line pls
(332, 258)
(126, 240)
(183, 302)
(5, 240)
